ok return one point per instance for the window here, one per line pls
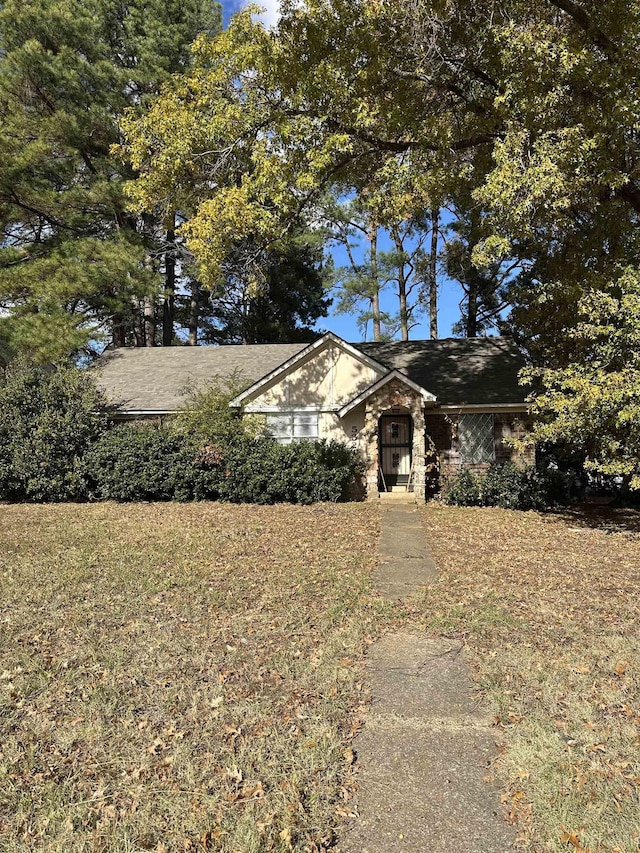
(475, 438)
(293, 426)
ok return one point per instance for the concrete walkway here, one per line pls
(427, 744)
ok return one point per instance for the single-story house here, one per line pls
(412, 408)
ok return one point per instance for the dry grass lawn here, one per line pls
(190, 677)
(180, 677)
(550, 608)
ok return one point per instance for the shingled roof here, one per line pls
(459, 371)
(476, 371)
(156, 379)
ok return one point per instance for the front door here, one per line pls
(395, 442)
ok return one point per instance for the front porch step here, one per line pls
(398, 497)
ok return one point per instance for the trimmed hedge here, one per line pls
(140, 463)
(151, 463)
(56, 445)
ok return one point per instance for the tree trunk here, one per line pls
(472, 310)
(169, 287)
(149, 322)
(194, 314)
(404, 319)
(138, 323)
(118, 333)
(375, 285)
(402, 288)
(622, 496)
(433, 275)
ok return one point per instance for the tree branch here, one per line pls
(582, 19)
(391, 145)
(631, 194)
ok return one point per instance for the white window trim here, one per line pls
(291, 414)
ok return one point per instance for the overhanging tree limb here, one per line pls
(582, 19)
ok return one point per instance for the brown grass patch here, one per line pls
(180, 677)
(550, 607)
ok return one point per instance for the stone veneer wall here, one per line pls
(395, 394)
(507, 425)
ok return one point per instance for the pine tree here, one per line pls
(292, 298)
(75, 265)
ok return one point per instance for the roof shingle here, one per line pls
(459, 371)
(156, 379)
(471, 371)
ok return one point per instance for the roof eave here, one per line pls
(238, 401)
(482, 407)
(427, 396)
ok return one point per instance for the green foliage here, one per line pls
(292, 112)
(592, 401)
(149, 462)
(507, 486)
(463, 489)
(74, 264)
(510, 487)
(263, 471)
(290, 299)
(55, 446)
(207, 417)
(49, 417)
(141, 462)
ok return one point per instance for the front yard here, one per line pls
(180, 677)
(550, 608)
(190, 677)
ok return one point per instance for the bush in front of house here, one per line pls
(506, 486)
(49, 418)
(56, 445)
(463, 489)
(511, 487)
(262, 471)
(148, 462)
(141, 462)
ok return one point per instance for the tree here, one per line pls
(486, 289)
(413, 270)
(358, 283)
(75, 265)
(284, 309)
(593, 402)
(249, 139)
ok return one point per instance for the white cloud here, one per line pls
(272, 12)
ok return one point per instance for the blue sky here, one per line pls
(345, 325)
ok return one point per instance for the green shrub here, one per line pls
(507, 486)
(55, 446)
(141, 462)
(463, 489)
(207, 418)
(49, 417)
(510, 487)
(259, 470)
(152, 463)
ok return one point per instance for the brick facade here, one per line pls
(447, 460)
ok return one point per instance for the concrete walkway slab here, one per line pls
(422, 792)
(421, 677)
(425, 751)
(404, 560)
